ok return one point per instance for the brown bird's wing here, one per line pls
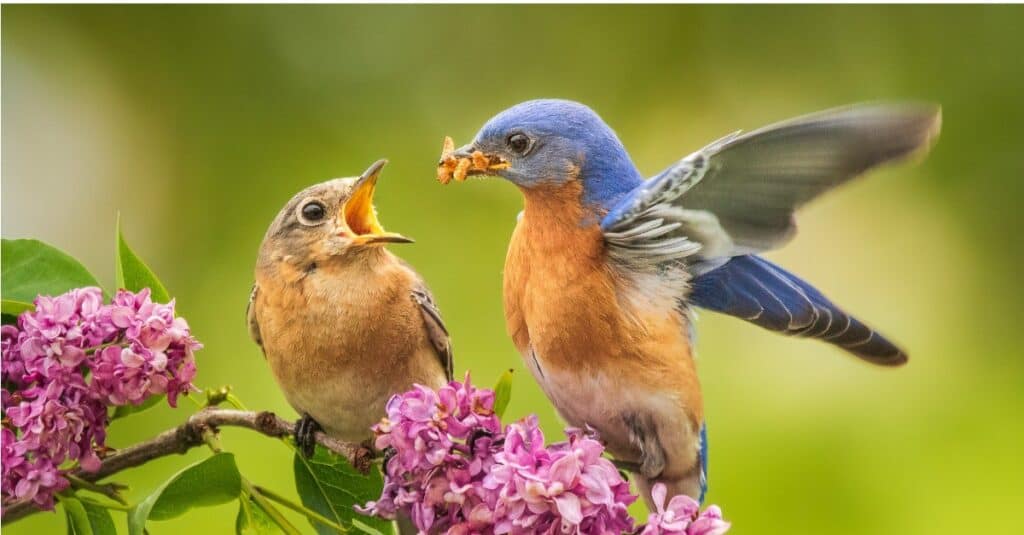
(436, 330)
(250, 316)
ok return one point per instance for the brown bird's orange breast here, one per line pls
(340, 340)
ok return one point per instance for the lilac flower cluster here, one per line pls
(64, 364)
(442, 444)
(453, 469)
(567, 487)
(682, 516)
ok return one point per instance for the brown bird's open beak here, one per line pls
(359, 215)
(466, 161)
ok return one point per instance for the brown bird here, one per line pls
(343, 323)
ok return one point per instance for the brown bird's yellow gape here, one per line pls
(343, 322)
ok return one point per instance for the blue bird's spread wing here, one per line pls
(737, 196)
(752, 288)
(711, 211)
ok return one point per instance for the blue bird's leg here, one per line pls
(689, 478)
(643, 434)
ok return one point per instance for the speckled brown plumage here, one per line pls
(343, 324)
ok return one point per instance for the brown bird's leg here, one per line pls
(305, 434)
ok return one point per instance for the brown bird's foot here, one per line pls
(362, 460)
(305, 435)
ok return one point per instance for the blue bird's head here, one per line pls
(544, 143)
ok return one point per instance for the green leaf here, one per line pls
(131, 273)
(124, 410)
(330, 486)
(87, 519)
(99, 519)
(78, 519)
(503, 393)
(212, 481)
(369, 530)
(13, 308)
(31, 268)
(253, 520)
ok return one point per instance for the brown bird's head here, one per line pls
(333, 219)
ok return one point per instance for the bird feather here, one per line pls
(737, 195)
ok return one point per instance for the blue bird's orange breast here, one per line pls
(595, 345)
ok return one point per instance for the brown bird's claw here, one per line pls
(362, 460)
(305, 435)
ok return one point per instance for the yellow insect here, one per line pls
(452, 165)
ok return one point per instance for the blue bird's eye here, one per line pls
(519, 143)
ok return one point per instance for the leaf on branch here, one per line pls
(31, 268)
(503, 393)
(329, 485)
(212, 481)
(86, 519)
(124, 410)
(13, 308)
(131, 273)
(366, 528)
(253, 520)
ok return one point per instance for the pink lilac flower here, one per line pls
(65, 363)
(452, 469)
(682, 516)
(440, 449)
(156, 355)
(37, 481)
(562, 488)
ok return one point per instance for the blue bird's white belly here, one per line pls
(605, 401)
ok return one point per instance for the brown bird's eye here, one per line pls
(313, 212)
(519, 143)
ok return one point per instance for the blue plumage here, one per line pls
(703, 461)
(690, 233)
(568, 135)
(714, 209)
(752, 288)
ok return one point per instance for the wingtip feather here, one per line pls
(754, 289)
(925, 124)
(892, 359)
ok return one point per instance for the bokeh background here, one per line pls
(197, 123)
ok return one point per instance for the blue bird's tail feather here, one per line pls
(752, 288)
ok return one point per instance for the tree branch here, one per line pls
(188, 435)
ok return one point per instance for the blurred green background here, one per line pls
(198, 123)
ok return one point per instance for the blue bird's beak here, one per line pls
(466, 161)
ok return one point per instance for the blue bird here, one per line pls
(604, 267)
